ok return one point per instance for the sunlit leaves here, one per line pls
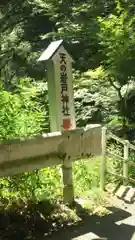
(20, 116)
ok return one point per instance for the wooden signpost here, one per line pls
(60, 86)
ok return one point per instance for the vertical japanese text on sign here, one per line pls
(64, 91)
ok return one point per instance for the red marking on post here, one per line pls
(67, 124)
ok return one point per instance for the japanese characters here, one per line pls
(64, 85)
(66, 121)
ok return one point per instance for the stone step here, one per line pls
(130, 196)
(121, 191)
(89, 236)
(126, 193)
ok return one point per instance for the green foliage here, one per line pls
(95, 99)
(77, 23)
(36, 186)
(118, 40)
(21, 24)
(86, 175)
(102, 31)
(28, 26)
(20, 116)
(46, 184)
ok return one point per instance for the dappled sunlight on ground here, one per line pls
(46, 221)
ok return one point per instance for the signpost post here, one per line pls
(60, 86)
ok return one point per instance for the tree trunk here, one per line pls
(123, 113)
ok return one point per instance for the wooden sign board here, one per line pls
(60, 86)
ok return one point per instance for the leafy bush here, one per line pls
(35, 186)
(46, 184)
(95, 98)
(86, 175)
(20, 114)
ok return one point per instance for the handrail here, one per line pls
(111, 135)
(121, 159)
(131, 146)
(114, 155)
(106, 135)
(122, 177)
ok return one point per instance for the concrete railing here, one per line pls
(50, 150)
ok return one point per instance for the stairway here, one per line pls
(126, 193)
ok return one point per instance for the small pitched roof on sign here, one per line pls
(50, 50)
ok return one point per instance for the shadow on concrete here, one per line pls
(104, 227)
(35, 224)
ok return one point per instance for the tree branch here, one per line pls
(117, 88)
